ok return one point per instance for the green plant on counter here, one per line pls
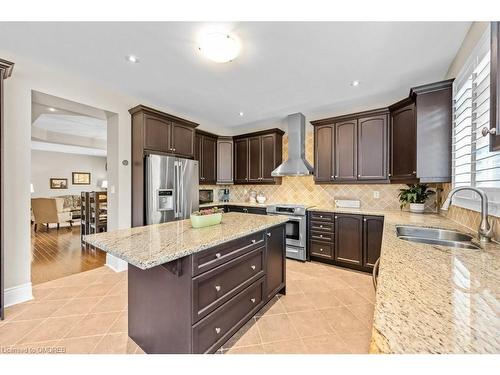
(416, 193)
(208, 211)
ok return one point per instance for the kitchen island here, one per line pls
(190, 290)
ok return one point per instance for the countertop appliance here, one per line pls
(295, 228)
(223, 195)
(171, 188)
(206, 196)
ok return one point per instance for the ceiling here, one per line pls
(67, 149)
(76, 125)
(284, 67)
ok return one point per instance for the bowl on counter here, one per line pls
(206, 218)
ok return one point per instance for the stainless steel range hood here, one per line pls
(296, 164)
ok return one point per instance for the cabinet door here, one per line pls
(372, 148)
(209, 160)
(157, 134)
(225, 161)
(275, 260)
(268, 145)
(254, 159)
(403, 143)
(346, 151)
(373, 227)
(182, 141)
(241, 160)
(197, 150)
(348, 239)
(323, 153)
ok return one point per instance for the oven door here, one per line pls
(295, 231)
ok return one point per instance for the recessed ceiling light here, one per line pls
(132, 58)
(51, 109)
(241, 114)
(355, 83)
(219, 47)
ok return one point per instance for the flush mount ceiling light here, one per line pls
(354, 83)
(132, 58)
(51, 109)
(219, 47)
(241, 114)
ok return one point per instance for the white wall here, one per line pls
(47, 164)
(28, 76)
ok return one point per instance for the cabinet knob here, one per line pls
(268, 234)
(217, 288)
(414, 172)
(217, 255)
(321, 216)
(217, 330)
(336, 176)
(252, 299)
(336, 217)
(364, 220)
(359, 175)
(254, 241)
(252, 267)
(320, 249)
(174, 149)
(321, 226)
(332, 176)
(390, 174)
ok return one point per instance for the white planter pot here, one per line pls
(417, 208)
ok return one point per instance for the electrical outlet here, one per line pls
(376, 194)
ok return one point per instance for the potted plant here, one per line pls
(206, 217)
(415, 196)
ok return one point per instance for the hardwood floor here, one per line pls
(57, 253)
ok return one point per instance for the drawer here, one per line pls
(322, 216)
(321, 226)
(321, 249)
(217, 286)
(215, 329)
(321, 236)
(208, 259)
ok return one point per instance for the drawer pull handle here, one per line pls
(252, 299)
(268, 234)
(217, 255)
(217, 288)
(217, 330)
(321, 235)
(254, 241)
(252, 267)
(321, 226)
(321, 216)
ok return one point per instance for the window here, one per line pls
(472, 161)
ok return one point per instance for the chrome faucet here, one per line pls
(485, 231)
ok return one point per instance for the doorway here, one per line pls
(68, 186)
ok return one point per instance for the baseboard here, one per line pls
(115, 263)
(18, 294)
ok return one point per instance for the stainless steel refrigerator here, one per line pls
(171, 188)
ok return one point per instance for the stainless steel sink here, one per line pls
(435, 236)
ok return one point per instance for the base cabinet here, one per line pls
(196, 303)
(347, 240)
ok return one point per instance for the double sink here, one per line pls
(435, 236)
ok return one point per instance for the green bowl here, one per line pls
(200, 221)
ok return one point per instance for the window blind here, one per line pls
(472, 162)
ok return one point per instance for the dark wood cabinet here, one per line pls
(206, 154)
(346, 151)
(403, 142)
(373, 147)
(256, 155)
(352, 148)
(323, 155)
(275, 261)
(349, 239)
(241, 161)
(154, 131)
(373, 228)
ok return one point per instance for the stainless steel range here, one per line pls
(295, 228)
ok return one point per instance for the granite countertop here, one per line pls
(433, 299)
(231, 203)
(152, 245)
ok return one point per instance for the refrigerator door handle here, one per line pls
(176, 187)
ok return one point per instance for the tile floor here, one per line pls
(326, 310)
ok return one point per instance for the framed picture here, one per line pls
(58, 183)
(81, 178)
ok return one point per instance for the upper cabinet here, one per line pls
(206, 154)
(408, 142)
(256, 155)
(352, 148)
(403, 142)
(225, 165)
(161, 132)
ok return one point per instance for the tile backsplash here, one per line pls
(303, 189)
